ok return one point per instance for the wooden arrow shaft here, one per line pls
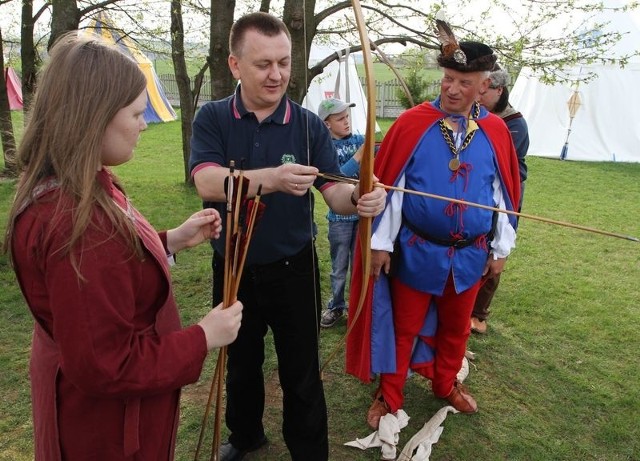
(486, 207)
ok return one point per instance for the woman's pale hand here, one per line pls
(221, 325)
(200, 227)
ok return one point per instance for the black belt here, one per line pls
(455, 243)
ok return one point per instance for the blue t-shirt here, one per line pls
(224, 130)
(346, 149)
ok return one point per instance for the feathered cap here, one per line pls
(465, 56)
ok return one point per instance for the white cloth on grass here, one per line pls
(388, 433)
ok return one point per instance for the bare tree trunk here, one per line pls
(187, 103)
(300, 20)
(222, 83)
(6, 127)
(65, 16)
(28, 53)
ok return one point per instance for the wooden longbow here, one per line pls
(366, 173)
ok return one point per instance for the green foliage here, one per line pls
(556, 377)
(418, 89)
(420, 72)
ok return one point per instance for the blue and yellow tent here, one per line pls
(158, 107)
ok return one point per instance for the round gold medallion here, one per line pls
(454, 164)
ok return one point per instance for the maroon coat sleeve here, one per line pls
(104, 325)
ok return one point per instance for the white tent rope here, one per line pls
(343, 59)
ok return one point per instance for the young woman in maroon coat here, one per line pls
(109, 355)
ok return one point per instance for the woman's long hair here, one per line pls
(80, 90)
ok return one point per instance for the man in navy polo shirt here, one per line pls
(282, 147)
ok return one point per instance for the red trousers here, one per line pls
(454, 323)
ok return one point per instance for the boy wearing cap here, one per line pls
(417, 317)
(342, 228)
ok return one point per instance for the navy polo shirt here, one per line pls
(224, 130)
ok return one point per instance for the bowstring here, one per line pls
(310, 198)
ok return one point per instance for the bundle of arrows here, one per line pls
(242, 214)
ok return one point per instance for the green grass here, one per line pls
(381, 71)
(556, 377)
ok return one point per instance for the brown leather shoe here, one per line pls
(377, 410)
(478, 326)
(461, 400)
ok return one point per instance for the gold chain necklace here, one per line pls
(454, 163)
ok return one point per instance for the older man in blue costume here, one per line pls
(430, 256)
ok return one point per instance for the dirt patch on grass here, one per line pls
(198, 394)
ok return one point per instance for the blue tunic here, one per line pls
(425, 265)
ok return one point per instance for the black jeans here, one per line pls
(283, 296)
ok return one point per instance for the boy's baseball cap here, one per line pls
(332, 106)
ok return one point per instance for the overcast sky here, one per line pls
(10, 15)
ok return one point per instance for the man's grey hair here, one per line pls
(499, 78)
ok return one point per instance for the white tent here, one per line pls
(606, 125)
(339, 80)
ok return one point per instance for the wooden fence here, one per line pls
(387, 103)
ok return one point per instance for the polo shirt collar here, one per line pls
(281, 116)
